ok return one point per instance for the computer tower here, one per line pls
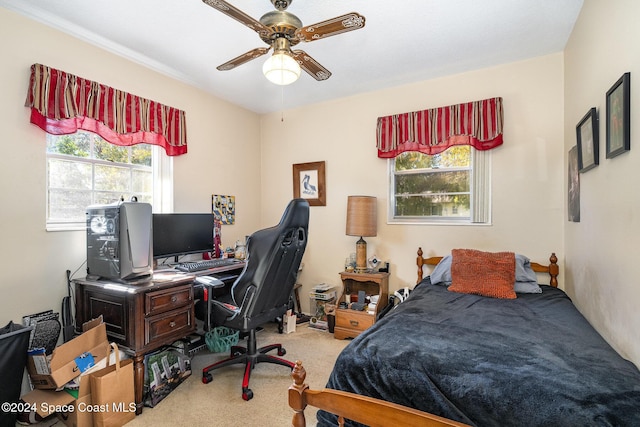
(120, 240)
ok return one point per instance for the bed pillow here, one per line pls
(526, 279)
(490, 274)
(441, 274)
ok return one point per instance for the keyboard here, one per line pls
(207, 264)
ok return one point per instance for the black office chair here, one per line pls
(263, 290)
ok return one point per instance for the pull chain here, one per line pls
(282, 104)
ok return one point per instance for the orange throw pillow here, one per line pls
(490, 274)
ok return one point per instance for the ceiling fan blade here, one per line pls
(310, 65)
(239, 16)
(245, 57)
(331, 27)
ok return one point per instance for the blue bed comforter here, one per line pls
(532, 361)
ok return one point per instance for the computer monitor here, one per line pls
(178, 234)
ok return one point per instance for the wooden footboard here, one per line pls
(552, 268)
(362, 409)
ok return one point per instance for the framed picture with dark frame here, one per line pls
(619, 117)
(574, 186)
(309, 183)
(587, 134)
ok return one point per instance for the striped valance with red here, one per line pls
(432, 131)
(62, 103)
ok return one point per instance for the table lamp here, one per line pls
(362, 221)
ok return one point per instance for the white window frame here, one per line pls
(480, 200)
(162, 172)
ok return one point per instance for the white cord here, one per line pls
(282, 104)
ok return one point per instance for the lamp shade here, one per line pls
(281, 69)
(362, 216)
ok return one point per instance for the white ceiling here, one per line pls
(402, 42)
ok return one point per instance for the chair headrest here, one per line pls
(296, 214)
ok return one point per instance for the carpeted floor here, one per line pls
(220, 403)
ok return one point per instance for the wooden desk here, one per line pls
(140, 317)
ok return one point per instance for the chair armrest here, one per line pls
(210, 281)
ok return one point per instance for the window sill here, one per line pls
(447, 222)
(66, 226)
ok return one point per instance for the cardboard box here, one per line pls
(45, 399)
(314, 323)
(61, 368)
(289, 322)
(73, 411)
(77, 414)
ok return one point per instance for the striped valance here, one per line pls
(432, 131)
(62, 103)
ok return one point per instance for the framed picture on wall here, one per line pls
(587, 135)
(309, 183)
(224, 208)
(619, 117)
(573, 189)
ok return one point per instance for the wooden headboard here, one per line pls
(552, 268)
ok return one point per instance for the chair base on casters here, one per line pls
(250, 356)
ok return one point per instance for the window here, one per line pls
(83, 169)
(449, 187)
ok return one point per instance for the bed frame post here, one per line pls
(554, 270)
(419, 262)
(297, 400)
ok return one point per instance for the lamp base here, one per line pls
(361, 256)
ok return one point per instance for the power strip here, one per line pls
(196, 345)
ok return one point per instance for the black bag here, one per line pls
(14, 340)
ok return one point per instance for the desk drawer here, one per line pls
(354, 320)
(167, 299)
(178, 322)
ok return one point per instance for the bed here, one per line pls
(530, 360)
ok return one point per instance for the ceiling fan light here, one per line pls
(281, 69)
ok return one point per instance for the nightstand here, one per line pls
(350, 323)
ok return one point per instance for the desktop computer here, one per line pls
(120, 240)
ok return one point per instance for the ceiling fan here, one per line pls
(281, 30)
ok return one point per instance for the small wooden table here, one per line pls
(350, 323)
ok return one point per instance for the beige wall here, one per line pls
(526, 180)
(543, 98)
(601, 262)
(222, 139)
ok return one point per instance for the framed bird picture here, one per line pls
(309, 183)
